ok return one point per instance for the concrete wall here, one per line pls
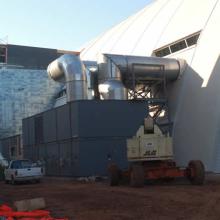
(23, 93)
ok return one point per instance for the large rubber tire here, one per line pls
(13, 182)
(137, 176)
(37, 180)
(114, 175)
(6, 181)
(199, 172)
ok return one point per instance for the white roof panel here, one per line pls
(158, 24)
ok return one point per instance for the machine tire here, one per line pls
(199, 171)
(114, 175)
(37, 180)
(137, 176)
(12, 180)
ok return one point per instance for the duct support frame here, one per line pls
(151, 74)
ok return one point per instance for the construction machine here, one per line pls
(150, 155)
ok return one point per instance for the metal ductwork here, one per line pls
(110, 80)
(127, 68)
(69, 69)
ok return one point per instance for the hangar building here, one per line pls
(180, 29)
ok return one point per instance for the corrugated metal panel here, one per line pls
(110, 118)
(99, 131)
(5, 148)
(35, 153)
(42, 153)
(28, 152)
(90, 119)
(31, 130)
(63, 122)
(52, 159)
(31, 57)
(217, 159)
(95, 155)
(38, 129)
(74, 119)
(25, 132)
(50, 126)
(75, 157)
(66, 158)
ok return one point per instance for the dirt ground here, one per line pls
(98, 201)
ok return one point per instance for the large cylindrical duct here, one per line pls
(138, 67)
(109, 79)
(70, 69)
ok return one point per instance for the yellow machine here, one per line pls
(150, 154)
(149, 144)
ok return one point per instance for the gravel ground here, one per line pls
(99, 201)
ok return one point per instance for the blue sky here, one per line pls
(62, 24)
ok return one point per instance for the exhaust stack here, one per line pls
(69, 69)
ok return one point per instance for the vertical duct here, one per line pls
(70, 70)
(109, 78)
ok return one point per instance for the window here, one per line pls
(192, 40)
(178, 45)
(20, 164)
(25, 164)
(163, 52)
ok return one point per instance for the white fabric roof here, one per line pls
(159, 23)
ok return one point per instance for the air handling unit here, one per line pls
(97, 132)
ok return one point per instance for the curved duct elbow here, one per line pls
(107, 68)
(109, 80)
(113, 89)
(126, 68)
(70, 70)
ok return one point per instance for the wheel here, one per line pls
(169, 179)
(114, 175)
(137, 176)
(197, 172)
(37, 180)
(12, 180)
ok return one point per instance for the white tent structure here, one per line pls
(187, 29)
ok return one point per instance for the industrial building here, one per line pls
(186, 30)
(172, 37)
(25, 90)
